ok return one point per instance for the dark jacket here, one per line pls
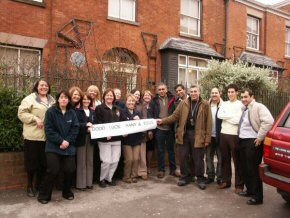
(106, 115)
(59, 127)
(155, 105)
(83, 120)
(134, 138)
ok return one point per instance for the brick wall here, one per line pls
(12, 173)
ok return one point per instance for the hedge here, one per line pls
(10, 126)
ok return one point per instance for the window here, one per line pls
(287, 123)
(123, 9)
(190, 17)
(253, 33)
(288, 41)
(120, 68)
(190, 70)
(21, 61)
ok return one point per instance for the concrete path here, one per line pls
(152, 198)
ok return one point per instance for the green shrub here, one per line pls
(10, 126)
(221, 74)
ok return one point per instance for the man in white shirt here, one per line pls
(230, 112)
(255, 122)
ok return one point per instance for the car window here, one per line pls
(287, 123)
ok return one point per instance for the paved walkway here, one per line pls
(152, 198)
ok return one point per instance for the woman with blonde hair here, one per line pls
(95, 94)
(132, 142)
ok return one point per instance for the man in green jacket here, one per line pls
(193, 134)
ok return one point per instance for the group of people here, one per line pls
(57, 138)
(230, 129)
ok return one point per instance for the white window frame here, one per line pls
(134, 8)
(287, 43)
(19, 49)
(187, 67)
(198, 19)
(253, 20)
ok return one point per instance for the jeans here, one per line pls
(165, 139)
(211, 150)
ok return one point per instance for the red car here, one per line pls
(275, 170)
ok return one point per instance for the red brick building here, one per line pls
(126, 40)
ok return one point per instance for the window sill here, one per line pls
(30, 2)
(191, 36)
(287, 57)
(123, 21)
(254, 51)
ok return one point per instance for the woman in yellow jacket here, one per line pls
(31, 112)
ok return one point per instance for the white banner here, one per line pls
(122, 128)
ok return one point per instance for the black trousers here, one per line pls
(34, 160)
(251, 157)
(189, 157)
(54, 163)
(229, 145)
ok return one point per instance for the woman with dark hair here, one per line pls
(110, 147)
(61, 129)
(76, 95)
(119, 103)
(84, 144)
(31, 112)
(137, 93)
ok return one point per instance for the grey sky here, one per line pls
(270, 2)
